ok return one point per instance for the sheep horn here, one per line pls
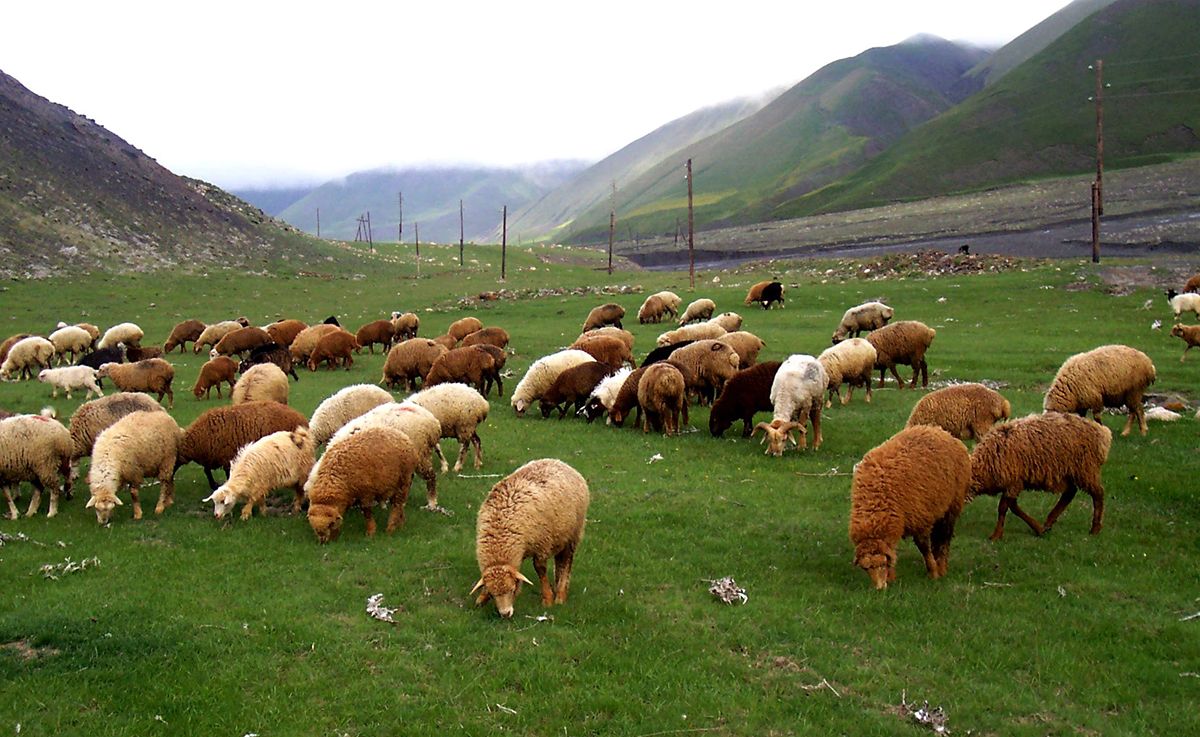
(521, 577)
(478, 585)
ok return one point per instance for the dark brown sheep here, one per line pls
(213, 373)
(135, 353)
(275, 353)
(499, 358)
(605, 349)
(572, 387)
(306, 340)
(610, 313)
(335, 348)
(214, 438)
(489, 336)
(747, 392)
(627, 399)
(1193, 284)
(446, 341)
(182, 333)
(242, 340)
(405, 325)
(284, 332)
(377, 331)
(468, 365)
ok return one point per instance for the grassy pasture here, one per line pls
(194, 627)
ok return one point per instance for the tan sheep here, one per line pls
(662, 395)
(699, 331)
(487, 336)
(849, 362)
(263, 382)
(701, 309)
(152, 376)
(284, 332)
(966, 411)
(242, 340)
(306, 340)
(706, 365)
(539, 511)
(139, 444)
(609, 313)
(281, 459)
(671, 300)
(72, 340)
(1190, 335)
(342, 406)
(127, 332)
(411, 360)
(913, 485)
(371, 466)
(904, 342)
(213, 334)
(94, 417)
(862, 318)
(746, 345)
(730, 321)
(1108, 376)
(607, 350)
(460, 410)
(26, 357)
(213, 373)
(460, 329)
(608, 331)
(654, 309)
(188, 330)
(37, 449)
(9, 342)
(405, 325)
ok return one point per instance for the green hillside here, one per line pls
(1038, 120)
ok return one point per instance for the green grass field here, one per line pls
(193, 626)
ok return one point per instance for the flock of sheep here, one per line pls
(913, 485)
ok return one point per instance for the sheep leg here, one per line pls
(1140, 411)
(1063, 500)
(398, 500)
(12, 508)
(299, 501)
(166, 494)
(36, 500)
(137, 503)
(1033, 524)
(931, 564)
(943, 530)
(539, 565)
(369, 517)
(478, 450)
(562, 573)
(1097, 494)
(1001, 513)
(438, 447)
(464, 447)
(816, 425)
(426, 471)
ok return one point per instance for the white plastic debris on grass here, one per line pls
(377, 610)
(655, 457)
(727, 590)
(933, 717)
(1156, 325)
(55, 571)
(1163, 414)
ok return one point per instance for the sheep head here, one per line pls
(777, 434)
(878, 559)
(520, 406)
(326, 522)
(222, 501)
(502, 583)
(104, 504)
(1176, 331)
(104, 370)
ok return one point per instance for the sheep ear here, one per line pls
(90, 503)
(478, 585)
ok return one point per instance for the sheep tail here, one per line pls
(299, 435)
(49, 413)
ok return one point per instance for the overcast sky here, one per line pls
(257, 93)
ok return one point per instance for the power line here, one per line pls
(1152, 59)
(1123, 82)
(1153, 94)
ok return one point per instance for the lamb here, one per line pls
(538, 511)
(966, 411)
(306, 340)
(26, 355)
(849, 362)
(71, 377)
(70, 339)
(460, 410)
(904, 342)
(470, 365)
(746, 345)
(284, 332)
(609, 313)
(1190, 335)
(213, 373)
(214, 438)
(573, 387)
(153, 376)
(377, 331)
(275, 461)
(652, 310)
(212, 334)
(700, 331)
(182, 333)
(343, 406)
(701, 309)
(409, 361)
(662, 395)
(9, 342)
(865, 317)
(1186, 302)
(748, 391)
(754, 294)
(237, 342)
(611, 351)
(275, 353)
(663, 352)
(406, 325)
(487, 336)
(706, 365)
(135, 353)
(94, 417)
(730, 321)
(333, 349)
(604, 395)
(1108, 376)
(263, 382)
(37, 449)
(375, 464)
(913, 485)
(797, 394)
(1060, 453)
(137, 445)
(541, 375)
(460, 329)
(127, 332)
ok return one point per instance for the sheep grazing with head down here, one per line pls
(607, 350)
(1181, 303)
(862, 318)
(706, 365)
(538, 511)
(573, 387)
(70, 339)
(213, 373)
(602, 397)
(754, 294)
(463, 327)
(699, 331)
(1059, 453)
(470, 365)
(626, 400)
(747, 345)
(275, 353)
(264, 382)
(334, 349)
(541, 375)
(966, 411)
(37, 449)
(797, 395)
(771, 294)
(126, 332)
(662, 395)
(242, 340)
(284, 332)
(212, 334)
(663, 352)
(1193, 284)
(730, 321)
(342, 406)
(135, 353)
(487, 336)
(306, 340)
(27, 356)
(654, 309)
(214, 438)
(279, 460)
(94, 417)
(460, 410)
(411, 360)
(375, 464)
(913, 485)
(138, 445)
(747, 392)
(850, 362)
(701, 309)
(906, 343)
(405, 325)
(671, 300)
(609, 313)
(376, 331)
(152, 376)
(1190, 334)
(1108, 376)
(71, 377)
(608, 331)
(188, 330)
(8, 343)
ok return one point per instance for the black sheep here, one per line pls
(97, 358)
(749, 391)
(773, 292)
(662, 353)
(270, 353)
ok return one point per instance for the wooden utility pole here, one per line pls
(370, 236)
(612, 223)
(318, 222)
(1098, 185)
(504, 245)
(400, 223)
(677, 231)
(460, 233)
(417, 243)
(691, 232)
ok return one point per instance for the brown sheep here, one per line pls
(411, 360)
(264, 382)
(1059, 453)
(487, 336)
(240, 341)
(662, 395)
(335, 348)
(1108, 376)
(284, 332)
(700, 309)
(621, 334)
(182, 333)
(539, 511)
(469, 365)
(1193, 284)
(606, 314)
(913, 485)
(604, 349)
(213, 373)
(377, 331)
(212, 334)
(152, 376)
(213, 438)
(405, 326)
(903, 342)
(572, 387)
(499, 357)
(460, 329)
(627, 399)
(966, 411)
(699, 331)
(270, 353)
(9, 342)
(755, 293)
(446, 341)
(375, 464)
(135, 353)
(306, 340)
(747, 392)
(654, 309)
(746, 345)
(706, 366)
(1190, 335)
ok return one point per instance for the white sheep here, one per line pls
(850, 362)
(137, 445)
(343, 406)
(542, 374)
(797, 394)
(1186, 302)
(865, 317)
(278, 460)
(701, 309)
(460, 410)
(605, 394)
(25, 355)
(699, 331)
(127, 332)
(34, 448)
(730, 321)
(71, 377)
(261, 382)
(70, 339)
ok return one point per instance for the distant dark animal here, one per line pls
(332, 320)
(96, 359)
(662, 353)
(270, 353)
(773, 292)
(965, 249)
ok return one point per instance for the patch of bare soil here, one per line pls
(26, 651)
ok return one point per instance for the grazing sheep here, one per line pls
(700, 331)
(98, 358)
(865, 317)
(609, 313)
(748, 391)
(25, 356)
(746, 345)
(70, 339)
(377, 331)
(126, 332)
(1059, 453)
(306, 340)
(275, 461)
(460, 410)
(213, 438)
(730, 321)
(460, 329)
(1193, 284)
(626, 400)
(487, 336)
(405, 325)
(607, 350)
(334, 349)
(604, 395)
(212, 334)
(343, 406)
(411, 360)
(139, 444)
(9, 342)
(662, 395)
(91, 329)
(663, 352)
(469, 365)
(275, 353)
(449, 342)
(152, 376)
(608, 331)
(654, 309)
(239, 341)
(772, 293)
(541, 375)
(904, 342)
(573, 387)
(1190, 335)
(94, 417)
(538, 511)
(284, 332)
(706, 365)
(913, 485)
(798, 395)
(37, 449)
(71, 377)
(671, 300)
(966, 411)
(701, 309)
(264, 382)
(135, 353)
(182, 333)
(375, 464)
(1186, 302)
(500, 358)
(849, 362)
(754, 294)
(1108, 376)
(213, 373)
